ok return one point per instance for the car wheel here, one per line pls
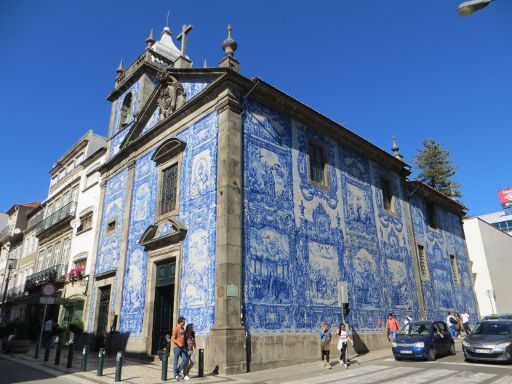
(453, 352)
(467, 359)
(431, 354)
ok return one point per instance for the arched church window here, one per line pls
(126, 110)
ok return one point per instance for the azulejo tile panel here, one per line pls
(193, 86)
(142, 215)
(109, 243)
(301, 239)
(441, 292)
(198, 201)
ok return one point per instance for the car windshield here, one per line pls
(493, 329)
(415, 329)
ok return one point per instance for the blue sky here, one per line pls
(410, 68)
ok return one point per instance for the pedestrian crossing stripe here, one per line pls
(373, 374)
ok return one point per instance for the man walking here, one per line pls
(179, 348)
(392, 326)
(451, 322)
(465, 321)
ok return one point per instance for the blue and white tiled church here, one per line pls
(228, 202)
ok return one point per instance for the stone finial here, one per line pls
(205, 64)
(395, 148)
(150, 40)
(120, 69)
(229, 45)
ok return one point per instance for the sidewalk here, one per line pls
(143, 372)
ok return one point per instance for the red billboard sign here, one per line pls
(505, 197)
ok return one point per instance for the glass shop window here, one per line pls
(317, 162)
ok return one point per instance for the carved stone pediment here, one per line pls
(168, 149)
(172, 95)
(168, 232)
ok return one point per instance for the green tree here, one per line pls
(436, 169)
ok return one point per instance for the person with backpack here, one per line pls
(452, 325)
(325, 344)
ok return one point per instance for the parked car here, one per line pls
(423, 340)
(491, 340)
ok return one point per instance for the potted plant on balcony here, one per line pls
(75, 274)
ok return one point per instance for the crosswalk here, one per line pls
(371, 374)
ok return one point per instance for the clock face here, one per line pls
(48, 289)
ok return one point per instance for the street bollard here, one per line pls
(47, 353)
(101, 360)
(36, 355)
(165, 364)
(57, 354)
(69, 363)
(119, 366)
(200, 365)
(85, 354)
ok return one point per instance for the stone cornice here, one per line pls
(437, 197)
(273, 97)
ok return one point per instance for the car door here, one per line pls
(445, 341)
(437, 340)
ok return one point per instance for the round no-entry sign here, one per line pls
(48, 289)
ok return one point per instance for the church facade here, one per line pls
(230, 203)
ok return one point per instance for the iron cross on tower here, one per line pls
(183, 37)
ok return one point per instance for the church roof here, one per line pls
(165, 46)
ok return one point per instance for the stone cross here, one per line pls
(183, 37)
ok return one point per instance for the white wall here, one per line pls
(490, 250)
(88, 199)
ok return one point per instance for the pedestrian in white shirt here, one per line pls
(342, 344)
(465, 321)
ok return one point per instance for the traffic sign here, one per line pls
(47, 300)
(48, 289)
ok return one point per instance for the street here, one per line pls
(374, 367)
(12, 372)
(448, 369)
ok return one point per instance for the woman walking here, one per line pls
(342, 344)
(190, 339)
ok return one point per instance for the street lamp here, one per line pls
(468, 7)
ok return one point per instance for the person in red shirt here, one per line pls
(179, 348)
(392, 326)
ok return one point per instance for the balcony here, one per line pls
(15, 292)
(60, 216)
(55, 273)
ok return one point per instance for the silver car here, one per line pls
(491, 340)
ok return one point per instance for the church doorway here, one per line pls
(101, 327)
(163, 304)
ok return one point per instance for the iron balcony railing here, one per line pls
(66, 212)
(55, 273)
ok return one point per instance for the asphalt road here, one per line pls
(445, 370)
(12, 372)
